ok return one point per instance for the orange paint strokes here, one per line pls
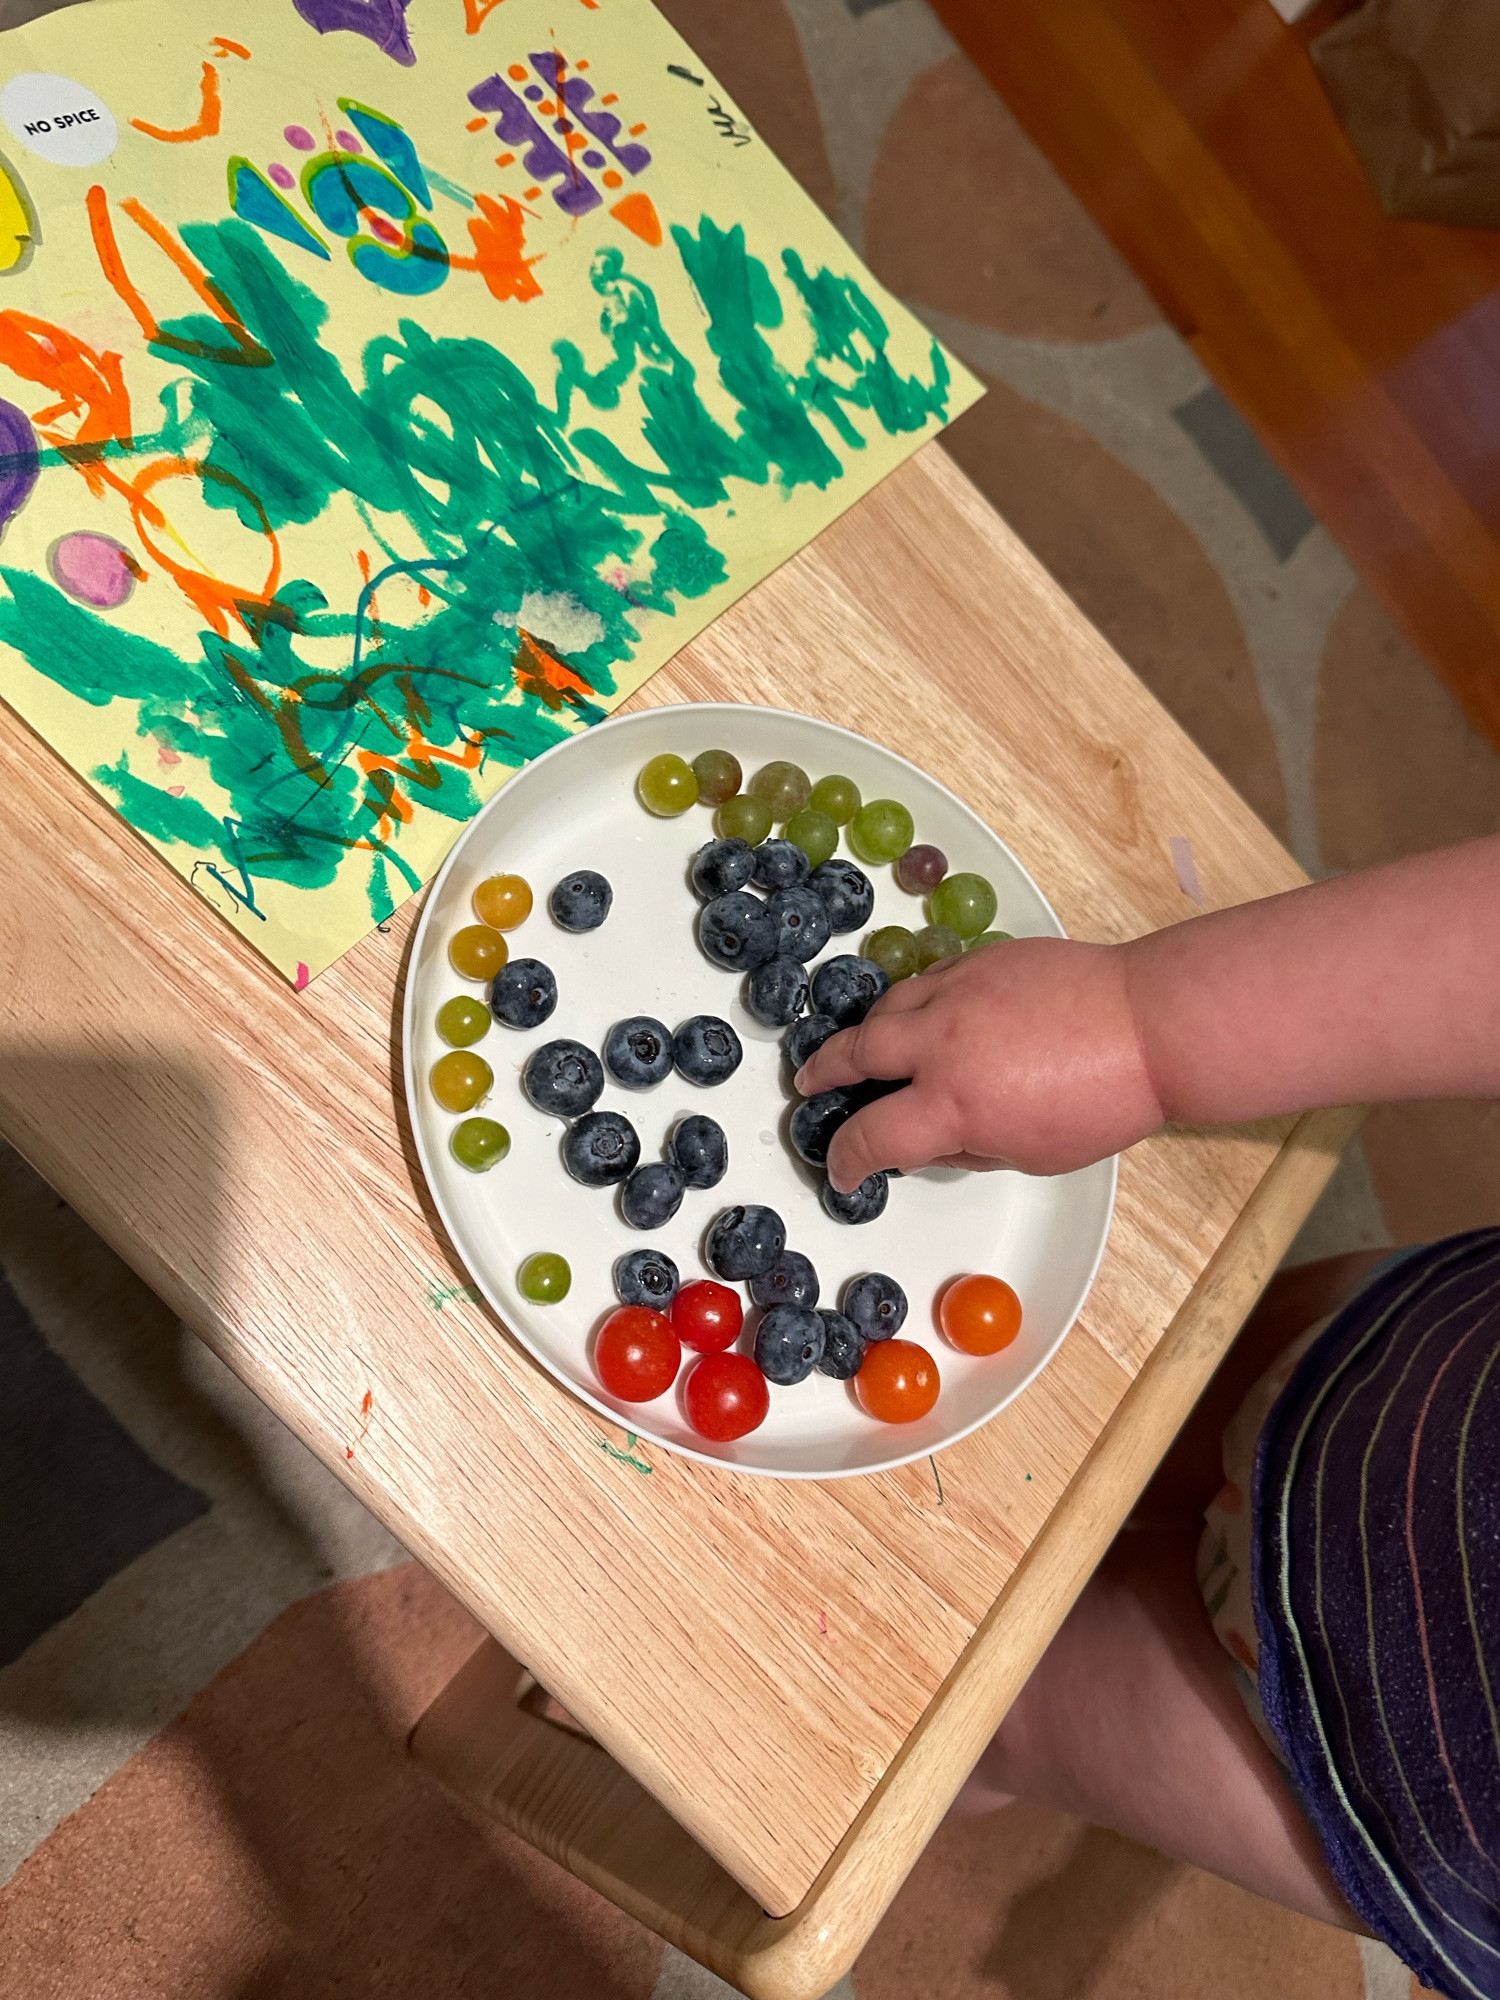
(533, 194)
(106, 247)
(499, 237)
(576, 142)
(414, 766)
(476, 124)
(519, 72)
(211, 597)
(540, 673)
(367, 1402)
(210, 117)
(224, 47)
(612, 98)
(477, 12)
(505, 159)
(89, 387)
(638, 214)
(636, 131)
(611, 179)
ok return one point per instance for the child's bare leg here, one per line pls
(1132, 1718)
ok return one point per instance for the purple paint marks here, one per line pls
(594, 159)
(283, 176)
(562, 124)
(381, 21)
(543, 159)
(535, 92)
(20, 463)
(95, 570)
(1185, 865)
(575, 95)
(299, 138)
(348, 141)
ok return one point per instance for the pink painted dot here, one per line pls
(304, 978)
(177, 791)
(93, 569)
(348, 141)
(299, 137)
(283, 176)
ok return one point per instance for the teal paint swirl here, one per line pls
(508, 489)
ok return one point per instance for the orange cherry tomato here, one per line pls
(897, 1382)
(980, 1315)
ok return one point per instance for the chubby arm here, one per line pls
(1046, 1055)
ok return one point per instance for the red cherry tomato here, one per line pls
(708, 1317)
(726, 1396)
(980, 1315)
(898, 1381)
(637, 1355)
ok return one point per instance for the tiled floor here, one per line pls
(273, 1840)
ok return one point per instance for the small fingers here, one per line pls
(882, 1046)
(909, 1129)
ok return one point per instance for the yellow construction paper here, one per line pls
(387, 389)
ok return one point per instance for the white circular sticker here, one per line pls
(60, 120)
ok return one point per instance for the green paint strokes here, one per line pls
(440, 1295)
(508, 489)
(626, 1457)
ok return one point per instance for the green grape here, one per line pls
(881, 831)
(460, 1080)
(479, 1143)
(894, 950)
(786, 789)
(838, 797)
(667, 786)
(545, 1278)
(989, 937)
(719, 776)
(936, 942)
(965, 903)
(814, 832)
(463, 1021)
(743, 818)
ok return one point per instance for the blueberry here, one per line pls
(745, 1241)
(646, 1278)
(781, 864)
(791, 1281)
(652, 1195)
(876, 1304)
(523, 993)
(807, 1037)
(581, 902)
(563, 1077)
(776, 992)
(789, 1344)
(738, 931)
(815, 1121)
(706, 1050)
(721, 866)
(801, 922)
(844, 1345)
(847, 892)
(601, 1149)
(866, 1202)
(700, 1151)
(638, 1052)
(847, 988)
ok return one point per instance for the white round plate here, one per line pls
(575, 807)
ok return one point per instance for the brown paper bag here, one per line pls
(1417, 86)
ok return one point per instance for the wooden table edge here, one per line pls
(568, 1798)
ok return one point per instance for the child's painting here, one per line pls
(387, 389)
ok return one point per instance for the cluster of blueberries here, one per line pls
(795, 1335)
(771, 938)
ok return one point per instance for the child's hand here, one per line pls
(1022, 1054)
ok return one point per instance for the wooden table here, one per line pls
(787, 1682)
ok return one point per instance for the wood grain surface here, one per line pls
(754, 1653)
(565, 1795)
